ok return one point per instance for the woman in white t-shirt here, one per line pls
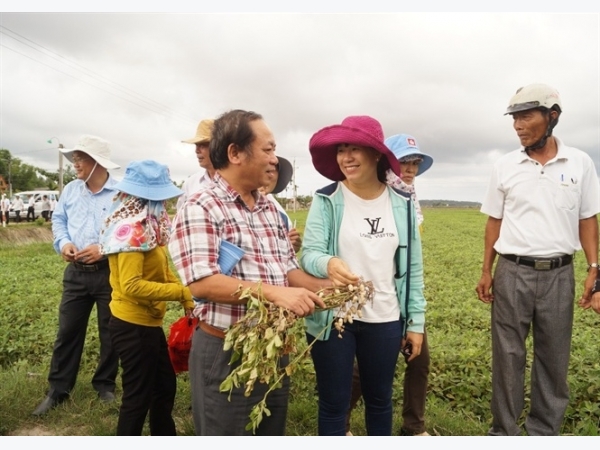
(360, 227)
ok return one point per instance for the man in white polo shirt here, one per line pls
(204, 177)
(542, 202)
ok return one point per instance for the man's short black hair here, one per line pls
(232, 127)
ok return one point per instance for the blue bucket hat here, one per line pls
(149, 180)
(403, 145)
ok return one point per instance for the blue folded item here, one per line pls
(229, 256)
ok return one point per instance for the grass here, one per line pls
(458, 330)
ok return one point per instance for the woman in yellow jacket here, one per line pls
(134, 236)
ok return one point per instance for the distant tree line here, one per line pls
(25, 177)
(449, 204)
(302, 202)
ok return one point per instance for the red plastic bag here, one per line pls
(180, 342)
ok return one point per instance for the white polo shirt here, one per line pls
(541, 205)
(192, 185)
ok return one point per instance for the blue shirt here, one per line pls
(79, 214)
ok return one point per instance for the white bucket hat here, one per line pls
(93, 146)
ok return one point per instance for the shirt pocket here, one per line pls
(566, 196)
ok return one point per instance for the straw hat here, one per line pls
(203, 132)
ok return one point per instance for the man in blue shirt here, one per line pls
(76, 224)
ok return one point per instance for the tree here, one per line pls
(68, 175)
(23, 177)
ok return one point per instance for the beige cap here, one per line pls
(203, 132)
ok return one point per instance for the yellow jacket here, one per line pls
(141, 284)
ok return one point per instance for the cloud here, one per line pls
(143, 81)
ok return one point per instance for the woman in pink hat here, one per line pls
(359, 227)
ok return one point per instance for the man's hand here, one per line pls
(339, 273)
(416, 341)
(68, 252)
(298, 300)
(595, 302)
(590, 301)
(484, 288)
(88, 255)
(588, 284)
(295, 239)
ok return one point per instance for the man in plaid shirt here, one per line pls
(231, 209)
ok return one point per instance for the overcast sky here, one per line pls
(144, 81)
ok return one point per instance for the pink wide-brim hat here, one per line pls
(357, 130)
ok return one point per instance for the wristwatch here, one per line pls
(594, 265)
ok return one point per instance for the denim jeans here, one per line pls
(376, 347)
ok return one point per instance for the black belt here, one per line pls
(102, 264)
(541, 263)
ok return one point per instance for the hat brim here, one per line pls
(286, 172)
(323, 149)
(101, 160)
(197, 140)
(156, 193)
(424, 165)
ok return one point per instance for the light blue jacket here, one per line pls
(320, 244)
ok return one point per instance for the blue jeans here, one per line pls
(376, 347)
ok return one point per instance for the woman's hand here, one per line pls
(295, 239)
(339, 273)
(416, 342)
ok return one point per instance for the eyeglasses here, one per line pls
(79, 159)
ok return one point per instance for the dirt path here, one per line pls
(25, 234)
(34, 431)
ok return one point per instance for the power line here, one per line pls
(151, 104)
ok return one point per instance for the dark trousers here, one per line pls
(216, 415)
(376, 347)
(81, 290)
(46, 215)
(30, 213)
(416, 375)
(149, 382)
(17, 217)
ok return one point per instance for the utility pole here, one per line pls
(60, 164)
(294, 181)
(61, 172)
(9, 179)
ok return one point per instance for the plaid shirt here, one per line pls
(219, 213)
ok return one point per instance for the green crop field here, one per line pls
(458, 327)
